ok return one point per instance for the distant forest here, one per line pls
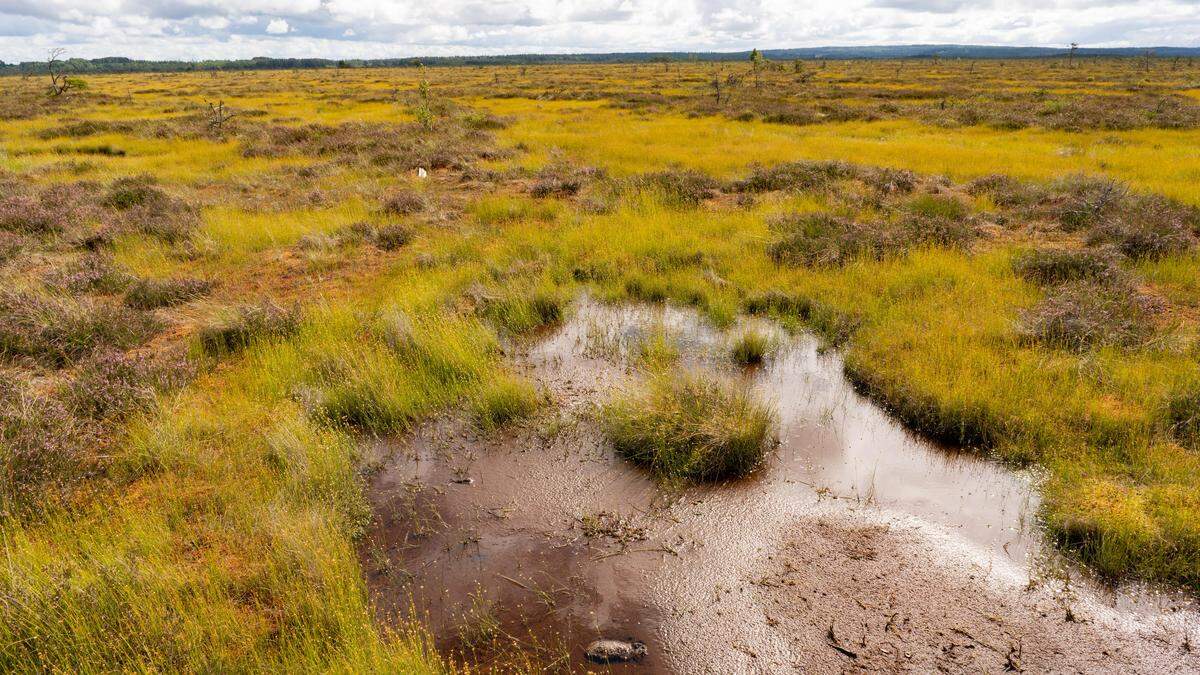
(118, 64)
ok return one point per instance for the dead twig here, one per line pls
(831, 638)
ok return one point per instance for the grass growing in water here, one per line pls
(502, 401)
(690, 426)
(751, 348)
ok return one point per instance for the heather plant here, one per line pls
(1079, 315)
(91, 273)
(404, 202)
(1053, 266)
(44, 451)
(56, 330)
(113, 384)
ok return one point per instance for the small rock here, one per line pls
(463, 481)
(615, 651)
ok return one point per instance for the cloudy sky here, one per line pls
(194, 29)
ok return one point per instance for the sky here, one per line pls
(199, 29)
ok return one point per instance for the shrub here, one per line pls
(683, 188)
(1051, 266)
(1005, 190)
(404, 202)
(816, 239)
(1147, 228)
(751, 348)
(561, 179)
(399, 146)
(687, 426)
(10, 245)
(1080, 315)
(247, 324)
(56, 331)
(1079, 202)
(141, 205)
(886, 180)
(503, 400)
(92, 272)
(147, 294)
(130, 191)
(919, 230)
(797, 176)
(27, 215)
(484, 120)
(45, 449)
(114, 385)
(392, 237)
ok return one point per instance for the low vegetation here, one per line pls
(180, 483)
(690, 426)
(751, 347)
(502, 401)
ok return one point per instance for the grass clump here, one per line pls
(126, 193)
(147, 294)
(246, 325)
(939, 207)
(503, 400)
(690, 426)
(522, 310)
(503, 210)
(1182, 416)
(751, 348)
(657, 349)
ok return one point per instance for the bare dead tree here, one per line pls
(716, 83)
(1147, 60)
(1071, 54)
(218, 115)
(60, 81)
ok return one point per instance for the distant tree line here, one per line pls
(120, 64)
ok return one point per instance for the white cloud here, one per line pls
(379, 28)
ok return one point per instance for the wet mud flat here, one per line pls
(858, 546)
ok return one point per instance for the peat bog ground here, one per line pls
(850, 365)
(520, 546)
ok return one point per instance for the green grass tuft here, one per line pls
(689, 426)
(502, 401)
(751, 348)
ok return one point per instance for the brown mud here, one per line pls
(858, 546)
